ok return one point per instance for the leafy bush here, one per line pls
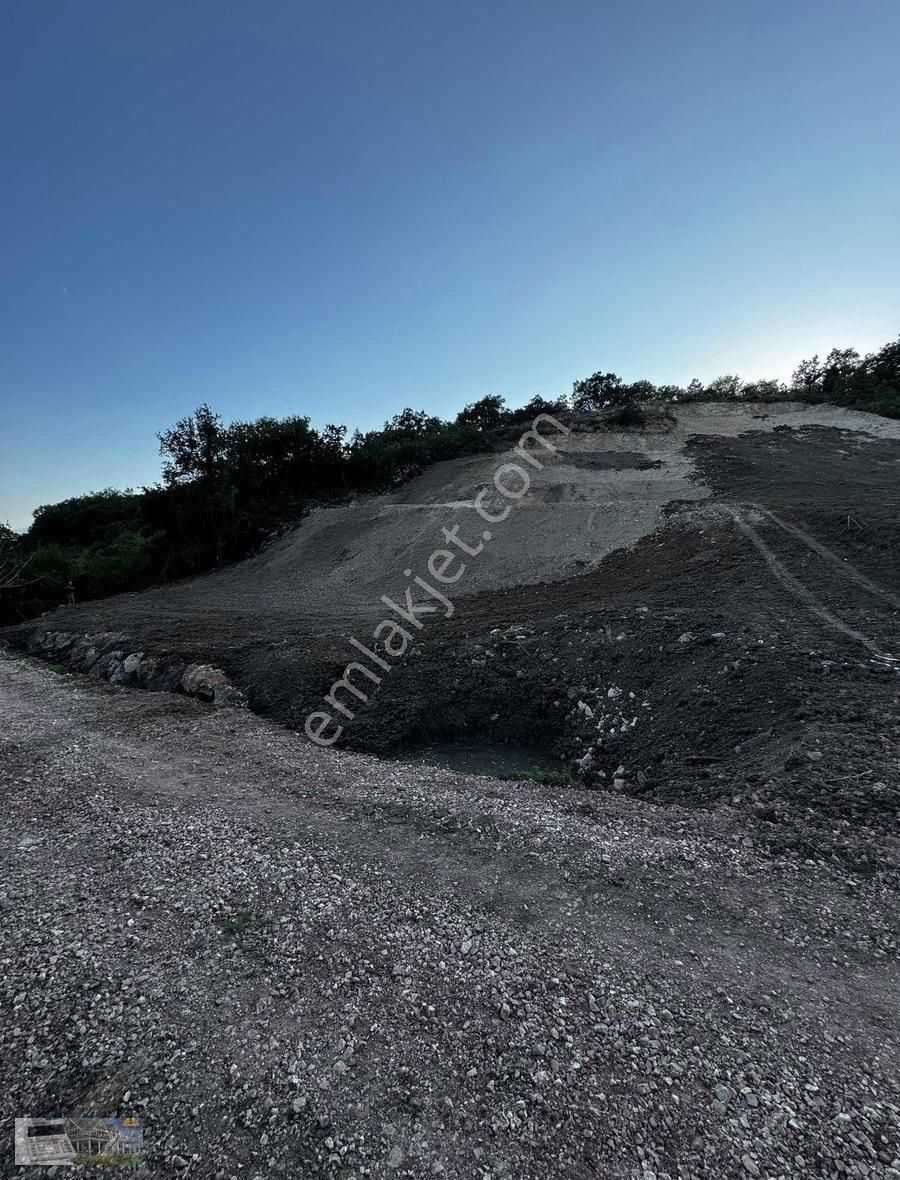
(627, 414)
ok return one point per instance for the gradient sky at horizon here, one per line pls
(342, 209)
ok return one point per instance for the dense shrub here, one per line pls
(861, 383)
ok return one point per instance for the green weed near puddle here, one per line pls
(236, 926)
(545, 778)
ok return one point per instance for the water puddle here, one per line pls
(517, 762)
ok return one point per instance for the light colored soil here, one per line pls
(293, 962)
(580, 507)
(573, 515)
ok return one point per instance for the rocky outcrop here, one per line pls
(209, 684)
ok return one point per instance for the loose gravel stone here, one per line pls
(258, 947)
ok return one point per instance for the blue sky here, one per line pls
(343, 208)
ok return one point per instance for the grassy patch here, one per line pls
(111, 1161)
(546, 778)
(242, 923)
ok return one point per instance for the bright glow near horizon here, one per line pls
(341, 211)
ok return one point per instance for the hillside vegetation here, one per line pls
(226, 488)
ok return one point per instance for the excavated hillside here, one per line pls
(295, 961)
(701, 608)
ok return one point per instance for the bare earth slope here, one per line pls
(294, 962)
(603, 491)
(703, 611)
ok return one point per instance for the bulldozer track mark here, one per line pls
(802, 593)
(839, 563)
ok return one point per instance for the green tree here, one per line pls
(839, 373)
(541, 405)
(724, 388)
(598, 390)
(883, 367)
(695, 390)
(194, 453)
(193, 448)
(11, 557)
(807, 377)
(638, 391)
(484, 414)
(412, 424)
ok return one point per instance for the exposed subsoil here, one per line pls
(733, 655)
(293, 961)
(687, 662)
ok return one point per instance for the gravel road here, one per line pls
(295, 962)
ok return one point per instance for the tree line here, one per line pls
(226, 489)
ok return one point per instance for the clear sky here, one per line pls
(342, 208)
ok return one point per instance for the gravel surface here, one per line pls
(295, 962)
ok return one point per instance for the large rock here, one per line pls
(205, 681)
(166, 675)
(104, 667)
(130, 666)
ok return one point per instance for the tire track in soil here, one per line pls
(798, 588)
(840, 563)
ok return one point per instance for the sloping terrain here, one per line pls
(679, 609)
(601, 491)
(303, 962)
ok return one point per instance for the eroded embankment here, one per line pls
(596, 492)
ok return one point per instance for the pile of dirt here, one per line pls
(697, 680)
